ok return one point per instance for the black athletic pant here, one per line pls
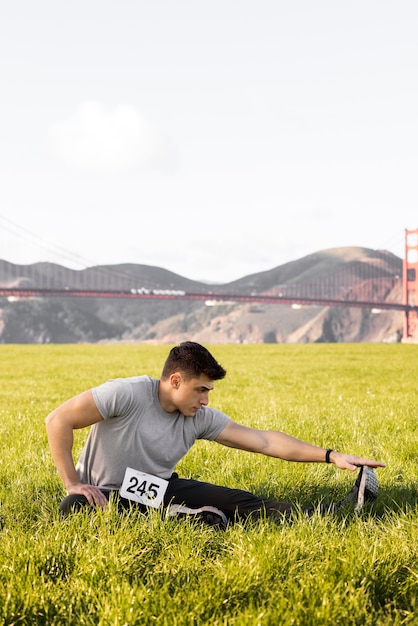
(235, 503)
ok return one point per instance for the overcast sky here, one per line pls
(214, 138)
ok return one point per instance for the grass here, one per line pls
(105, 569)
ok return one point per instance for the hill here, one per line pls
(74, 320)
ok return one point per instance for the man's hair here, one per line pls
(192, 360)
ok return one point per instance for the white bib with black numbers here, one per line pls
(143, 488)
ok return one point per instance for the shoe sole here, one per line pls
(208, 514)
(367, 489)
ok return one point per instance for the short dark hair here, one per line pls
(192, 360)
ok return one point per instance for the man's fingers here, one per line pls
(370, 463)
(98, 498)
(93, 495)
(345, 461)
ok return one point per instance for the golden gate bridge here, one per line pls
(384, 283)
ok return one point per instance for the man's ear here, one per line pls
(175, 380)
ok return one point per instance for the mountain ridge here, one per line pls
(74, 320)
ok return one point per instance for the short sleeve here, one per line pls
(113, 398)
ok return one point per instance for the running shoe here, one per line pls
(208, 514)
(365, 489)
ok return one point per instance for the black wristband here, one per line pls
(327, 454)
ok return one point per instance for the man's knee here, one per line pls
(73, 502)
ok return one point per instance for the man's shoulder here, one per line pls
(209, 412)
(127, 387)
(131, 381)
(121, 396)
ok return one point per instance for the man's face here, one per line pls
(189, 395)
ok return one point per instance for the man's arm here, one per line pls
(78, 412)
(277, 444)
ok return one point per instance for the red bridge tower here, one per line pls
(410, 285)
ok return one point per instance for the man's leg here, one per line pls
(234, 503)
(75, 502)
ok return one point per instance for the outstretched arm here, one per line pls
(277, 444)
(78, 412)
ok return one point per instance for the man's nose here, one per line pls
(204, 399)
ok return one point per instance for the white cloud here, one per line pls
(101, 140)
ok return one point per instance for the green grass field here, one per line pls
(99, 568)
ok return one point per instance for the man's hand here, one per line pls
(347, 461)
(91, 492)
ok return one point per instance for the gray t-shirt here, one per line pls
(136, 432)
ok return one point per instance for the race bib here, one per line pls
(143, 488)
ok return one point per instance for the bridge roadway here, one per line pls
(210, 297)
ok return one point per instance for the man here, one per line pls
(141, 427)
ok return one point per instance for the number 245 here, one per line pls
(148, 491)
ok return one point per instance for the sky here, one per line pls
(213, 138)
